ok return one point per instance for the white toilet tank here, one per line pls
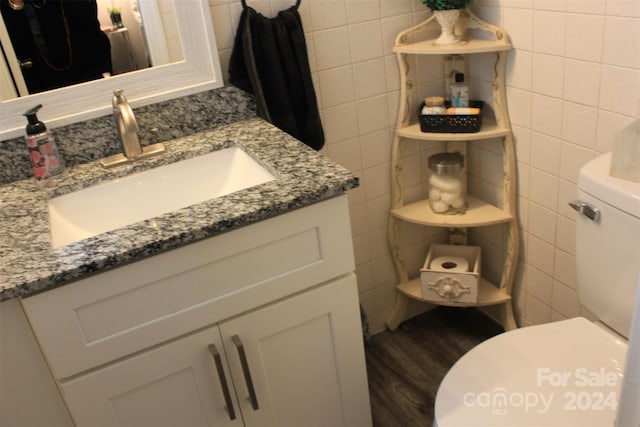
(607, 243)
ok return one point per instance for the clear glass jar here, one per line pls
(434, 105)
(447, 186)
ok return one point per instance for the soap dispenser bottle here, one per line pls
(43, 150)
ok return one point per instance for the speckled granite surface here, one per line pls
(29, 264)
(189, 126)
(93, 139)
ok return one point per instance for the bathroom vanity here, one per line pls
(240, 310)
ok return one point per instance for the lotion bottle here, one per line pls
(43, 150)
(459, 92)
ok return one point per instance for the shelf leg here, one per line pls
(398, 312)
(507, 319)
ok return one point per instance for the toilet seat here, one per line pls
(566, 373)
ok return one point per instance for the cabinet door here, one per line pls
(25, 380)
(176, 384)
(304, 360)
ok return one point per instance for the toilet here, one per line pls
(569, 372)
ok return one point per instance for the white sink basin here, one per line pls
(124, 201)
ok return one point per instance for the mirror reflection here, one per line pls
(49, 44)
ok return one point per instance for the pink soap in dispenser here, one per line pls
(43, 150)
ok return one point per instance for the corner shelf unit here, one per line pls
(479, 212)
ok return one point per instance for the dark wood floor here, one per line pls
(406, 366)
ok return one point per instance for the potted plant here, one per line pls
(115, 15)
(447, 13)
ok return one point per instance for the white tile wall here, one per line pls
(573, 82)
(548, 74)
(584, 36)
(582, 82)
(585, 87)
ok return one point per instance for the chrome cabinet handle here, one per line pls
(245, 371)
(586, 209)
(223, 381)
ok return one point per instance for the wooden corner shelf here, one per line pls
(479, 213)
(488, 294)
(489, 130)
(465, 47)
(481, 38)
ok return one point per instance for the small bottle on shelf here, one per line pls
(446, 183)
(453, 64)
(434, 105)
(459, 92)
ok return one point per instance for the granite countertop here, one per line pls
(30, 265)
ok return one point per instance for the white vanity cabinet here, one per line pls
(157, 342)
(293, 348)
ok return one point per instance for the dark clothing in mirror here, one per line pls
(58, 43)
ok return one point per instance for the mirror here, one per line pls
(199, 70)
(52, 43)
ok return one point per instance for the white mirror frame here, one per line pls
(199, 71)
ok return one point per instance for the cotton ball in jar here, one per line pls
(457, 202)
(435, 194)
(445, 183)
(439, 206)
(449, 197)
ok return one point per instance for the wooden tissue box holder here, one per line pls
(446, 284)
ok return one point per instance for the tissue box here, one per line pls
(451, 273)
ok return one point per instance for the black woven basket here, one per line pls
(451, 123)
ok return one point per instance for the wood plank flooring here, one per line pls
(406, 366)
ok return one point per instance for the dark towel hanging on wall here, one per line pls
(269, 60)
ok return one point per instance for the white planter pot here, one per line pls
(447, 20)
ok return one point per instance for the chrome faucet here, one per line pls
(126, 125)
(127, 128)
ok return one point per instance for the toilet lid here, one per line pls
(566, 373)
